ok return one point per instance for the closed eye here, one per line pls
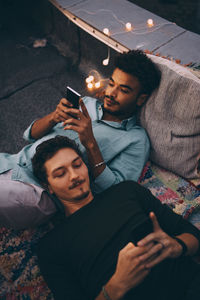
(77, 164)
(125, 91)
(59, 173)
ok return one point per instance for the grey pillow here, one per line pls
(171, 117)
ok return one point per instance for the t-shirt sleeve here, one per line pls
(172, 223)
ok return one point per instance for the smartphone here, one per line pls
(73, 97)
(143, 229)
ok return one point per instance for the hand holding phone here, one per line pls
(73, 97)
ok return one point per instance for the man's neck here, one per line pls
(72, 206)
(110, 117)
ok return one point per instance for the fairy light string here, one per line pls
(94, 80)
(148, 26)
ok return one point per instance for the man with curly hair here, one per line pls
(114, 146)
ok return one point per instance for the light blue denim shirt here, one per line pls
(124, 147)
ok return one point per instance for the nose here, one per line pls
(113, 91)
(73, 174)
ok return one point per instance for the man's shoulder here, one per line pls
(124, 187)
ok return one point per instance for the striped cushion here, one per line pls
(171, 117)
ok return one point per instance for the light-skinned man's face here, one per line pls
(67, 177)
(123, 95)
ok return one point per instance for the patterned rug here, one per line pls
(181, 195)
(20, 277)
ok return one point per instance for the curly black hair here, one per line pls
(139, 65)
(46, 150)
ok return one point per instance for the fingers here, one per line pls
(71, 124)
(154, 220)
(132, 250)
(65, 102)
(84, 109)
(73, 112)
(157, 260)
(154, 250)
(152, 237)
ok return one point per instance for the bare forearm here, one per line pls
(191, 242)
(114, 292)
(42, 126)
(95, 158)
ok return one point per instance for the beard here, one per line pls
(113, 113)
(82, 196)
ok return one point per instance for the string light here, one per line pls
(138, 30)
(128, 26)
(105, 62)
(97, 81)
(92, 81)
(106, 31)
(90, 85)
(150, 23)
(89, 79)
(97, 84)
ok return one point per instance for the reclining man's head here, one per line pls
(133, 80)
(59, 167)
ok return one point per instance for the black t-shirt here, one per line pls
(79, 256)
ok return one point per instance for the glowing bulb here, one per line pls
(105, 61)
(90, 85)
(150, 23)
(128, 26)
(89, 79)
(106, 31)
(97, 84)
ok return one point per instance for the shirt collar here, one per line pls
(125, 124)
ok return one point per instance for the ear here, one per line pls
(47, 187)
(142, 99)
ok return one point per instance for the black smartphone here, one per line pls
(73, 97)
(143, 229)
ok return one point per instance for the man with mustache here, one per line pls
(114, 146)
(100, 248)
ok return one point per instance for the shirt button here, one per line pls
(24, 164)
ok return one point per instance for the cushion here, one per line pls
(171, 117)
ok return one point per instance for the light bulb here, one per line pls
(97, 84)
(106, 31)
(128, 26)
(89, 79)
(150, 23)
(105, 61)
(90, 85)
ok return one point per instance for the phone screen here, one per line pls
(73, 97)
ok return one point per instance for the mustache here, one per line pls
(76, 183)
(111, 98)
